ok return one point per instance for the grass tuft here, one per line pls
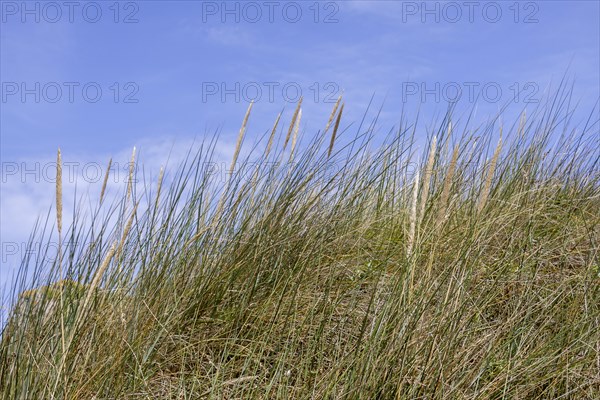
(467, 278)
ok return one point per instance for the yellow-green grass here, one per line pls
(473, 276)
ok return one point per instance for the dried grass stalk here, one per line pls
(335, 129)
(413, 216)
(59, 203)
(130, 179)
(443, 204)
(522, 120)
(271, 138)
(161, 175)
(105, 182)
(427, 177)
(295, 136)
(236, 154)
(448, 136)
(126, 230)
(292, 124)
(489, 176)
(240, 139)
(59, 211)
(332, 115)
(100, 272)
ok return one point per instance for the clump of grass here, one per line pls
(302, 283)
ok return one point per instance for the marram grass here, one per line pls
(306, 283)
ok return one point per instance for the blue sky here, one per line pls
(101, 77)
